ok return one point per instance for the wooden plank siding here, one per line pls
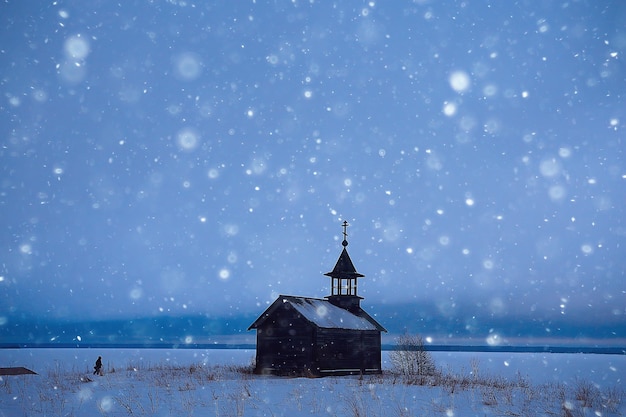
(285, 344)
(341, 351)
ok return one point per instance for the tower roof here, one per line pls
(344, 268)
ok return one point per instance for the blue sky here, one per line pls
(173, 157)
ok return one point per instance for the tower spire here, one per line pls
(344, 278)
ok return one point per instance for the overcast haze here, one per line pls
(174, 157)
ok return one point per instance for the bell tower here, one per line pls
(344, 279)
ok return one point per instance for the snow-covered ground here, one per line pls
(164, 382)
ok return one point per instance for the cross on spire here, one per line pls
(344, 278)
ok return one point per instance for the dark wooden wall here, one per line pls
(289, 344)
(341, 351)
(285, 344)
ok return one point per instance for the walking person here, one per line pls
(98, 367)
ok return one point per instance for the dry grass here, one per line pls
(143, 389)
(517, 396)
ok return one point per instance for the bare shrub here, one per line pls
(410, 358)
(612, 399)
(355, 407)
(587, 393)
(130, 401)
(489, 395)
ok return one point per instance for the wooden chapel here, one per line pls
(312, 336)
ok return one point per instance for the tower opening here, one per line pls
(344, 279)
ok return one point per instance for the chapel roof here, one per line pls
(322, 313)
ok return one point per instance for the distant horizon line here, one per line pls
(603, 350)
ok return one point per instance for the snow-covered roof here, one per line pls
(324, 314)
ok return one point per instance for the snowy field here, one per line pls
(166, 382)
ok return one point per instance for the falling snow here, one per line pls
(170, 158)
